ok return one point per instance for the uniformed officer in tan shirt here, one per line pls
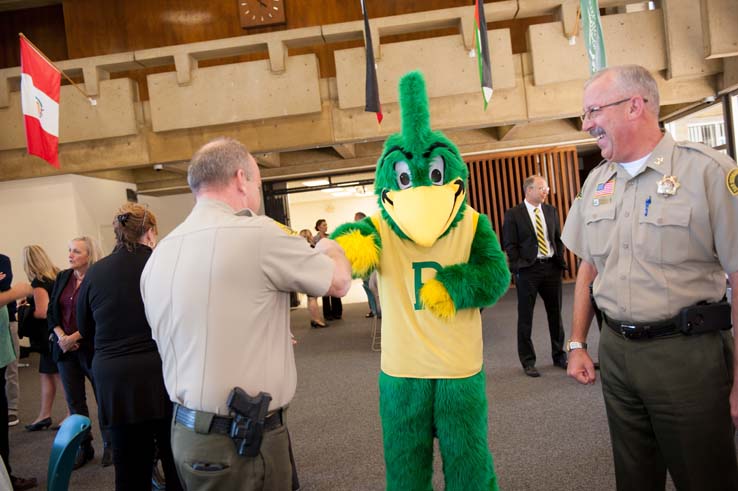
(656, 228)
(216, 293)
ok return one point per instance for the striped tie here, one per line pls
(542, 247)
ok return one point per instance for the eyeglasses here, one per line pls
(588, 113)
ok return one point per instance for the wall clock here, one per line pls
(257, 13)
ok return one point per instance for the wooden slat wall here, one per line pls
(496, 184)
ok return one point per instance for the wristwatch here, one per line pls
(572, 345)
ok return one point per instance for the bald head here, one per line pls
(628, 80)
(216, 164)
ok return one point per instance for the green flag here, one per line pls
(592, 32)
(482, 46)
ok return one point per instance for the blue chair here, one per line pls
(64, 450)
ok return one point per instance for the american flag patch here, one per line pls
(605, 189)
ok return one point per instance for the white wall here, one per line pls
(49, 211)
(307, 208)
(170, 210)
(37, 211)
(336, 211)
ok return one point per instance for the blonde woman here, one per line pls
(41, 273)
(72, 353)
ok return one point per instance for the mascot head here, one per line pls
(421, 177)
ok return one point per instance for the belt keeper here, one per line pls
(203, 421)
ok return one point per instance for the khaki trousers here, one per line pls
(667, 408)
(271, 470)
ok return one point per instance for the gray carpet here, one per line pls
(545, 433)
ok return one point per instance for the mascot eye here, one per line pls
(437, 167)
(404, 178)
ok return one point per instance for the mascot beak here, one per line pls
(425, 213)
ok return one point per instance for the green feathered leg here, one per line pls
(461, 426)
(410, 408)
(406, 410)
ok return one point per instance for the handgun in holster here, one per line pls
(705, 317)
(249, 413)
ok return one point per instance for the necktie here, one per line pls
(542, 247)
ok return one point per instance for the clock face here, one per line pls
(255, 13)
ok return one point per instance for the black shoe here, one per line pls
(107, 458)
(316, 324)
(531, 371)
(561, 363)
(20, 483)
(84, 455)
(369, 315)
(39, 425)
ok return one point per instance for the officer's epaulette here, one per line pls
(722, 159)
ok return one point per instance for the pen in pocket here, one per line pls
(648, 203)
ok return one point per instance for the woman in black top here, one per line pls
(131, 395)
(72, 353)
(41, 273)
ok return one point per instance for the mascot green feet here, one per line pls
(411, 408)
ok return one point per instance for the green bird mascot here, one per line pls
(438, 261)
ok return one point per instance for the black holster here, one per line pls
(705, 317)
(249, 413)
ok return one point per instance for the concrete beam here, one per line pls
(719, 28)
(114, 115)
(683, 31)
(505, 131)
(555, 60)
(234, 93)
(346, 150)
(78, 158)
(458, 74)
(270, 159)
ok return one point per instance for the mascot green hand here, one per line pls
(437, 261)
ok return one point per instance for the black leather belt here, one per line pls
(643, 330)
(220, 424)
(544, 259)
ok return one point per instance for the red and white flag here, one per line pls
(40, 82)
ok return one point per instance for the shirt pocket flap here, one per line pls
(664, 215)
(601, 214)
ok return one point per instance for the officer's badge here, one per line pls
(732, 182)
(668, 186)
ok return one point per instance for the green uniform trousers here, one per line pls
(271, 470)
(667, 408)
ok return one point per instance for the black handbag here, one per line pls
(36, 330)
(25, 315)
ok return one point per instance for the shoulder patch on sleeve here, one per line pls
(731, 180)
(285, 228)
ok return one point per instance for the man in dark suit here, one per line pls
(531, 236)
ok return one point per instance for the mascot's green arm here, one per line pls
(362, 244)
(485, 278)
